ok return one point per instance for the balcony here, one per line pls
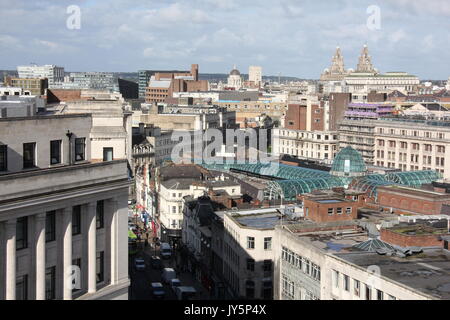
(53, 181)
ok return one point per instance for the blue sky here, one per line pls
(291, 37)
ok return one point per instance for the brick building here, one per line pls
(404, 200)
(328, 207)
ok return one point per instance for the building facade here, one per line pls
(67, 237)
(53, 73)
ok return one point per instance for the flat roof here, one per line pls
(259, 221)
(427, 272)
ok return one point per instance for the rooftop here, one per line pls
(427, 272)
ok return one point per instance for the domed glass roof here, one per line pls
(348, 163)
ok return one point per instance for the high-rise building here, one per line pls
(255, 75)
(53, 73)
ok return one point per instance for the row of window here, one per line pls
(267, 243)
(414, 133)
(301, 263)
(50, 279)
(368, 290)
(414, 145)
(50, 225)
(29, 153)
(288, 290)
(267, 265)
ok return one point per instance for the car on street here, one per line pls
(174, 283)
(185, 293)
(139, 264)
(168, 274)
(165, 250)
(158, 291)
(156, 263)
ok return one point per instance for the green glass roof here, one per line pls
(298, 180)
(291, 188)
(276, 170)
(348, 163)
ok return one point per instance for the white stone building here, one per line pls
(248, 252)
(255, 75)
(235, 79)
(320, 146)
(63, 218)
(53, 73)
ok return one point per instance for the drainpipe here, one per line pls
(69, 135)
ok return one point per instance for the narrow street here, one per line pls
(140, 287)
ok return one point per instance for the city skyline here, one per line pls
(218, 34)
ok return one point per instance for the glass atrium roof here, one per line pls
(297, 180)
(372, 245)
(276, 170)
(291, 188)
(348, 163)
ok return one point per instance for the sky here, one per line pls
(292, 37)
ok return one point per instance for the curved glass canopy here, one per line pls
(289, 189)
(276, 170)
(298, 180)
(348, 163)
(414, 178)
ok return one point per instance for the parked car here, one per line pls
(165, 250)
(158, 291)
(156, 263)
(139, 264)
(168, 274)
(174, 283)
(185, 293)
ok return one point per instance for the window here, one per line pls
(3, 157)
(22, 288)
(250, 265)
(346, 282)
(100, 214)
(287, 287)
(368, 292)
(267, 265)
(336, 278)
(330, 211)
(348, 210)
(50, 278)
(268, 243)
(80, 146)
(267, 290)
(55, 152)
(100, 266)
(250, 289)
(380, 295)
(76, 262)
(50, 226)
(22, 233)
(339, 210)
(174, 209)
(76, 220)
(29, 155)
(250, 243)
(108, 154)
(356, 287)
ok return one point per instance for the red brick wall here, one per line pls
(408, 204)
(319, 211)
(317, 118)
(405, 240)
(296, 115)
(59, 95)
